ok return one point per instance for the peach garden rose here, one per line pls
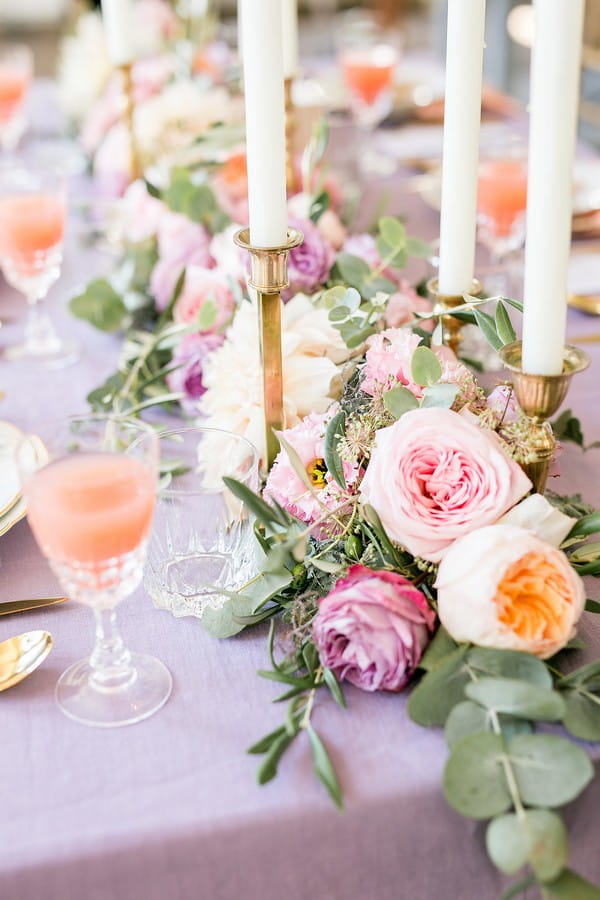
(435, 475)
(503, 587)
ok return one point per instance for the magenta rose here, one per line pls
(372, 628)
(435, 475)
(190, 356)
(202, 287)
(310, 263)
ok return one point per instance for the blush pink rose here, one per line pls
(436, 475)
(181, 243)
(372, 628)
(403, 305)
(203, 286)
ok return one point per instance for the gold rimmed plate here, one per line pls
(10, 486)
(16, 510)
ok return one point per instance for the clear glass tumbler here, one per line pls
(202, 544)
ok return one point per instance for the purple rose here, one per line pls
(310, 263)
(372, 628)
(190, 355)
(181, 243)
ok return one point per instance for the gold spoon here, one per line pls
(21, 655)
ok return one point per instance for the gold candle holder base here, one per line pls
(135, 166)
(290, 134)
(444, 304)
(539, 397)
(268, 277)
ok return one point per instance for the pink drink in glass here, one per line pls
(91, 508)
(16, 64)
(502, 193)
(31, 234)
(368, 72)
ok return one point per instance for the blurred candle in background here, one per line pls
(117, 16)
(554, 103)
(462, 117)
(265, 121)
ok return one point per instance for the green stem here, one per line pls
(311, 698)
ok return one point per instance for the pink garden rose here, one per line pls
(181, 243)
(203, 286)
(372, 628)
(138, 214)
(435, 475)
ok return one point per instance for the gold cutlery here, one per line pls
(21, 655)
(587, 303)
(15, 606)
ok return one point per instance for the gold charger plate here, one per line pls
(17, 510)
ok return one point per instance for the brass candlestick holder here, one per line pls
(268, 277)
(135, 166)
(290, 135)
(444, 304)
(539, 397)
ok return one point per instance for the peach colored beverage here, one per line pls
(91, 507)
(502, 192)
(367, 77)
(30, 223)
(13, 88)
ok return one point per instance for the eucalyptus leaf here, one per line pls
(354, 270)
(509, 664)
(207, 315)
(399, 400)
(538, 837)
(582, 717)
(518, 887)
(517, 698)
(392, 255)
(469, 718)
(474, 779)
(441, 689)
(225, 621)
(426, 368)
(324, 768)
(417, 247)
(392, 231)
(100, 305)
(440, 395)
(263, 588)
(550, 770)
(588, 675)
(441, 646)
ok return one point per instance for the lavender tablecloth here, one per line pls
(168, 809)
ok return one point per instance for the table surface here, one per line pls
(169, 808)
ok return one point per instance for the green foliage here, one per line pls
(100, 305)
(426, 368)
(334, 433)
(536, 836)
(399, 400)
(194, 200)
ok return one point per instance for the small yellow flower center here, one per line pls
(316, 471)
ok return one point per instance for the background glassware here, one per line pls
(16, 70)
(368, 56)
(33, 208)
(202, 542)
(501, 208)
(90, 509)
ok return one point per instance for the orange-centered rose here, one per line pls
(503, 587)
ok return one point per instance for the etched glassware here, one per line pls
(202, 545)
(90, 503)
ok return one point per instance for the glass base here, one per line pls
(58, 356)
(140, 696)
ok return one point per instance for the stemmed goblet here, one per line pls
(368, 56)
(90, 504)
(16, 67)
(501, 206)
(33, 207)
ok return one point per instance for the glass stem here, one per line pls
(40, 336)
(110, 659)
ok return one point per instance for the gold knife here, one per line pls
(15, 606)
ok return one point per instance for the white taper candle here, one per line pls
(265, 121)
(289, 15)
(462, 116)
(554, 103)
(117, 16)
